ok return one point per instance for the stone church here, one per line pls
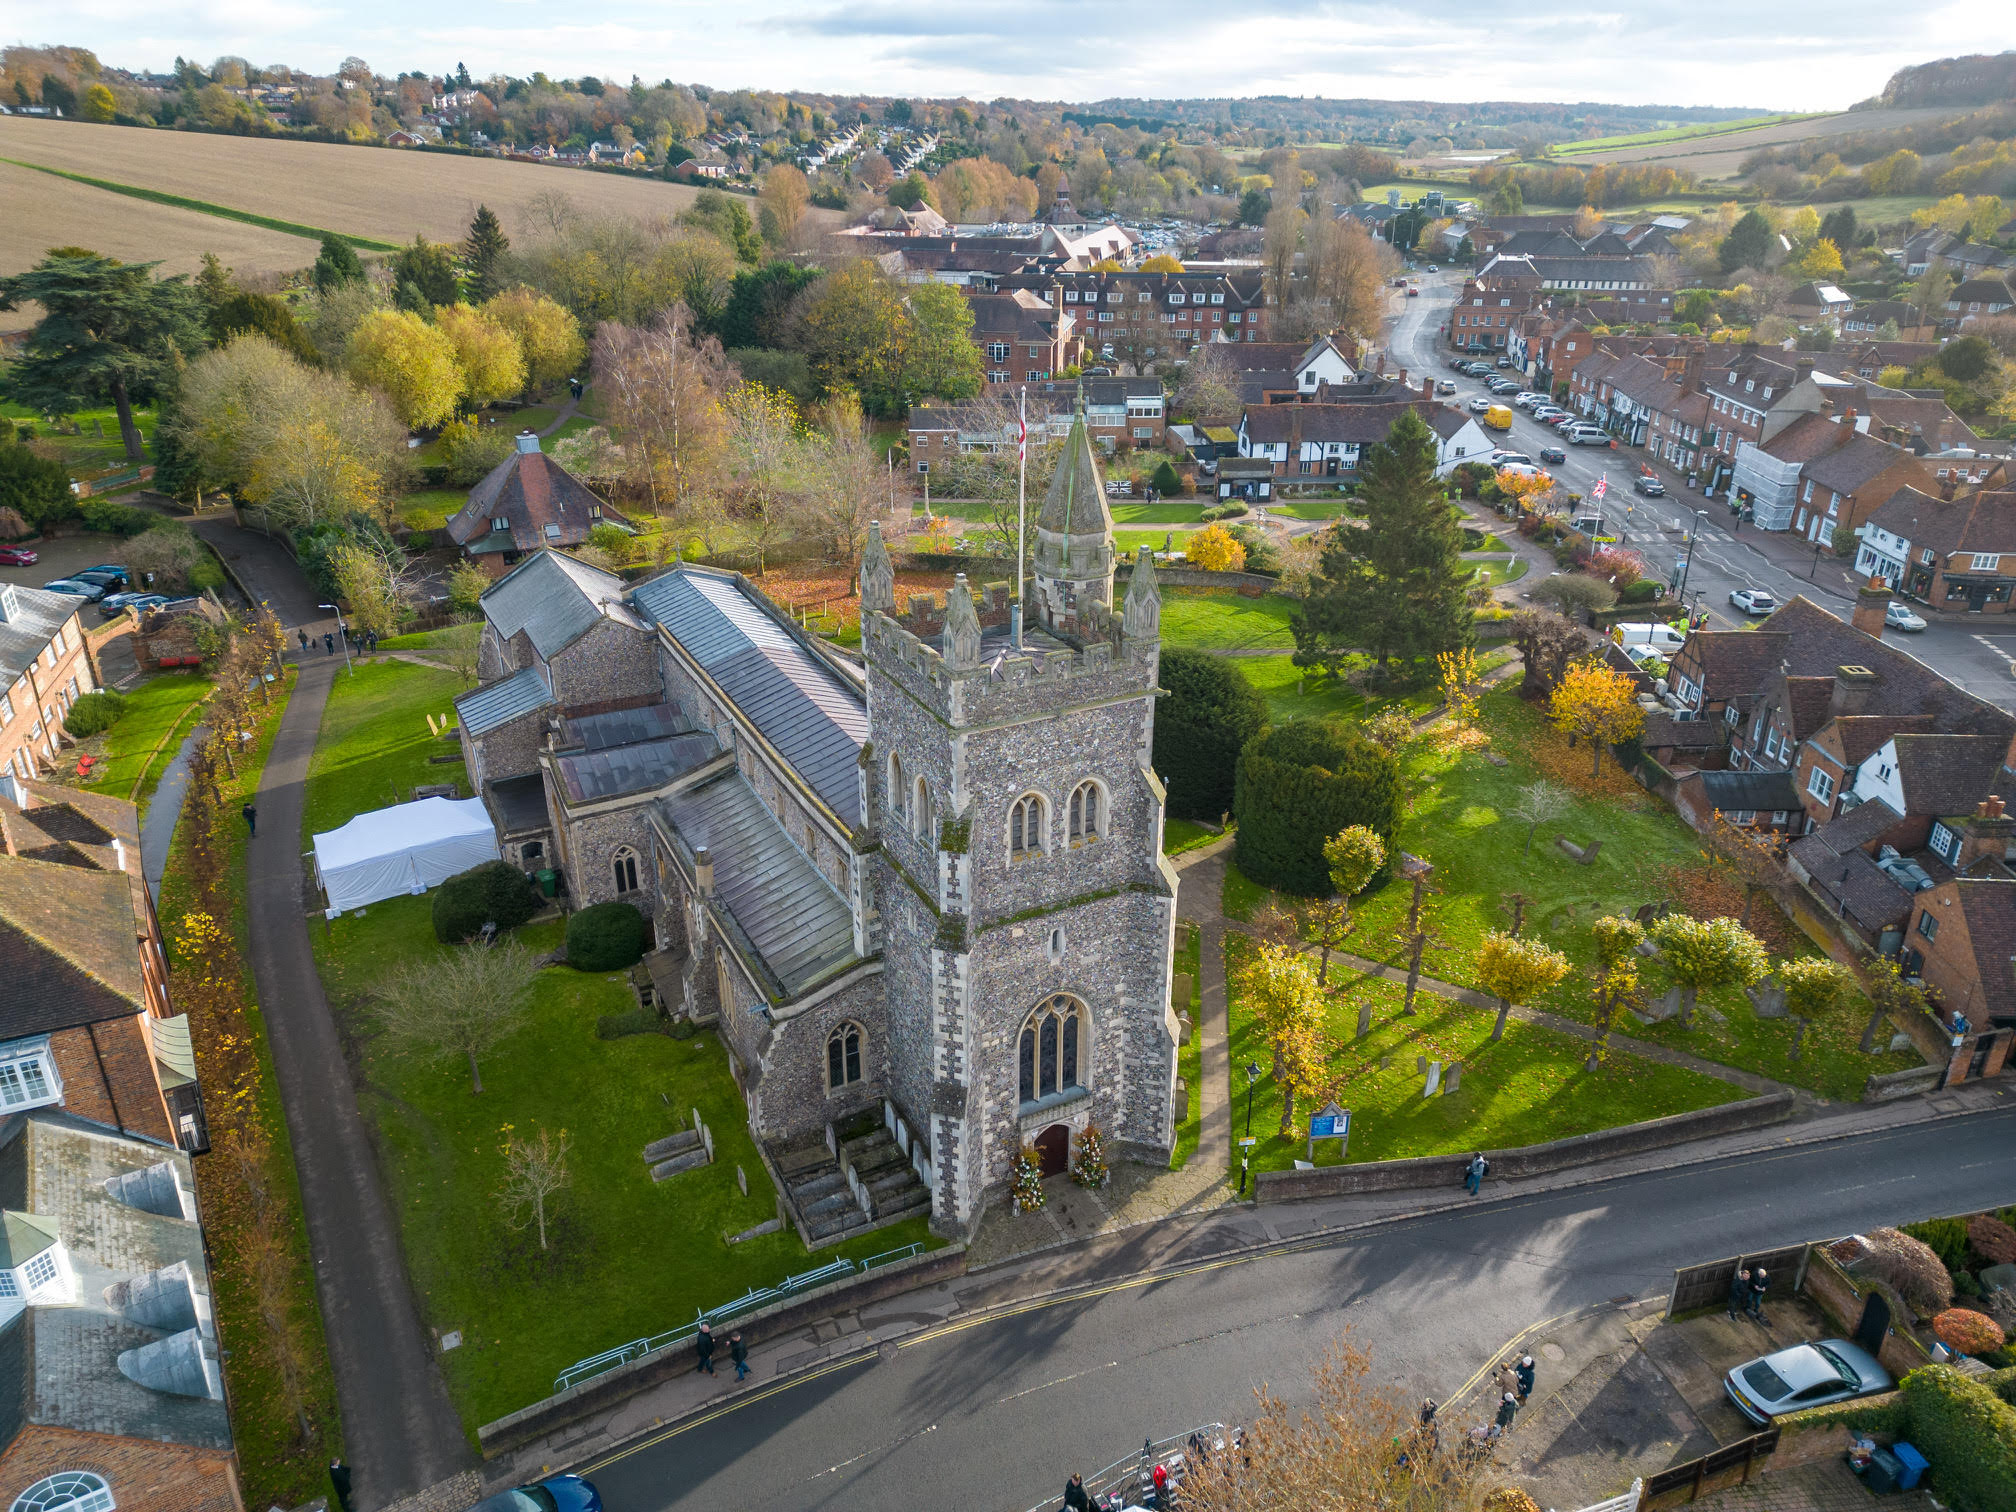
(921, 893)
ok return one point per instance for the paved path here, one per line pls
(266, 570)
(1203, 885)
(565, 413)
(399, 1429)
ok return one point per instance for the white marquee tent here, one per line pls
(404, 849)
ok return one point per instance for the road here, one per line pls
(1976, 653)
(991, 1411)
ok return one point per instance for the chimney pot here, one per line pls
(703, 871)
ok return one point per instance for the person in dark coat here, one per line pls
(1739, 1291)
(328, 643)
(1474, 1173)
(1760, 1283)
(739, 1353)
(303, 634)
(1523, 1372)
(251, 813)
(339, 1478)
(1508, 1409)
(1075, 1499)
(705, 1345)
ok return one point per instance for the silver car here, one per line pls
(1897, 617)
(1806, 1375)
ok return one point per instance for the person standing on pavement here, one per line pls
(1474, 1173)
(1508, 1409)
(303, 634)
(1760, 1283)
(251, 814)
(1075, 1499)
(1524, 1373)
(1506, 1380)
(1739, 1292)
(705, 1345)
(328, 643)
(339, 1478)
(739, 1353)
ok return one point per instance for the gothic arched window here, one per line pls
(895, 792)
(920, 811)
(1088, 812)
(1026, 826)
(623, 866)
(66, 1491)
(1052, 1040)
(843, 1057)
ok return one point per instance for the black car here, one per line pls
(1553, 454)
(1650, 486)
(111, 579)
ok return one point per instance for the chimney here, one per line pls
(1428, 388)
(703, 871)
(1294, 442)
(528, 443)
(1848, 417)
(1854, 690)
(1947, 484)
(1988, 831)
(1871, 600)
(1690, 370)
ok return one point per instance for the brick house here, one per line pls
(1145, 318)
(1021, 338)
(44, 669)
(528, 503)
(1949, 553)
(1980, 297)
(1959, 933)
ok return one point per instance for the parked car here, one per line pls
(1412, 292)
(1504, 362)
(1479, 370)
(1897, 617)
(115, 604)
(1806, 1375)
(71, 586)
(1649, 486)
(1505, 454)
(1752, 600)
(1446, 386)
(111, 579)
(1562, 421)
(1433, 269)
(1662, 638)
(17, 556)
(1526, 399)
(1460, 363)
(1553, 454)
(1503, 386)
(1587, 435)
(1481, 405)
(557, 1493)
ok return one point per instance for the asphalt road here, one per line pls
(1977, 654)
(992, 1412)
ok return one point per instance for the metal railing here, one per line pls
(750, 1301)
(1135, 1471)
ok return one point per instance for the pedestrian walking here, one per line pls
(1739, 1292)
(339, 1478)
(1475, 1172)
(1160, 1500)
(1524, 1371)
(1760, 1283)
(1506, 1380)
(328, 643)
(1508, 1409)
(251, 814)
(705, 1344)
(303, 634)
(739, 1353)
(1075, 1499)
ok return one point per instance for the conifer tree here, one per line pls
(336, 265)
(482, 254)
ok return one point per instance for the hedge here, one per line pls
(1200, 729)
(1298, 785)
(605, 937)
(493, 893)
(94, 713)
(1968, 1436)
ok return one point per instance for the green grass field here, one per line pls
(1221, 622)
(222, 212)
(1314, 509)
(1496, 572)
(159, 713)
(1680, 133)
(374, 745)
(98, 448)
(1180, 835)
(429, 508)
(467, 634)
(1527, 1088)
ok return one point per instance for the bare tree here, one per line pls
(848, 485)
(769, 448)
(1539, 803)
(534, 1171)
(988, 473)
(461, 1002)
(1208, 390)
(662, 388)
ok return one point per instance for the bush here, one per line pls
(605, 937)
(1993, 1240)
(1200, 729)
(493, 893)
(169, 551)
(1945, 1237)
(206, 575)
(1167, 481)
(36, 486)
(1967, 1433)
(1969, 1332)
(1262, 555)
(470, 450)
(638, 1020)
(420, 540)
(1300, 784)
(1644, 591)
(614, 539)
(1910, 1266)
(114, 518)
(94, 713)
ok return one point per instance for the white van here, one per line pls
(1662, 638)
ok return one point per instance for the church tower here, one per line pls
(1026, 913)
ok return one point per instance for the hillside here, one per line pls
(1953, 83)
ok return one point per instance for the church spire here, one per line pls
(1074, 532)
(960, 642)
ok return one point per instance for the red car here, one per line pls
(16, 556)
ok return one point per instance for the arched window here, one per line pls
(1026, 827)
(1088, 814)
(895, 792)
(1051, 1041)
(920, 811)
(66, 1491)
(623, 865)
(843, 1057)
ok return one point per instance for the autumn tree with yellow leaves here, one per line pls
(1277, 983)
(1215, 549)
(1596, 703)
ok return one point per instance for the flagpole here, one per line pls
(1021, 502)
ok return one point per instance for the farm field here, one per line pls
(1721, 156)
(70, 214)
(1672, 134)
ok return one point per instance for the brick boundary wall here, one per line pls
(625, 1381)
(1526, 1160)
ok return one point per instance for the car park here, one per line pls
(556, 1493)
(76, 589)
(111, 579)
(1897, 617)
(1752, 600)
(1553, 454)
(1649, 486)
(1803, 1376)
(17, 556)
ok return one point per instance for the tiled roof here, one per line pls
(497, 704)
(1853, 465)
(816, 721)
(1861, 736)
(1990, 907)
(519, 803)
(1359, 424)
(1948, 774)
(1663, 730)
(1984, 521)
(554, 599)
(69, 946)
(544, 504)
(1806, 701)
(790, 913)
(1807, 438)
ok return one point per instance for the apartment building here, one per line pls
(43, 670)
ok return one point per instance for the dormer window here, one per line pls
(1749, 385)
(28, 1076)
(1217, 299)
(1767, 391)
(498, 522)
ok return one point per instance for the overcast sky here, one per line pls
(1793, 55)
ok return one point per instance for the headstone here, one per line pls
(1179, 993)
(742, 1180)
(451, 1340)
(1658, 1010)
(1455, 1077)
(1767, 998)
(707, 1139)
(1900, 1042)
(1421, 1064)
(1434, 1079)
(1386, 1061)
(1644, 914)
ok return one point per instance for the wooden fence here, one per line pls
(1707, 1285)
(1711, 1472)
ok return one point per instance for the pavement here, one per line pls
(266, 570)
(400, 1431)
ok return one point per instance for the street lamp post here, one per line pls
(1687, 567)
(343, 635)
(1252, 1076)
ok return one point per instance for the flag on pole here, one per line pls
(1602, 487)
(1021, 438)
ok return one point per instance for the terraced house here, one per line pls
(1949, 553)
(921, 893)
(44, 669)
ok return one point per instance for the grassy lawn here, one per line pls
(429, 508)
(1226, 622)
(159, 713)
(466, 634)
(1456, 818)
(1180, 835)
(98, 448)
(1190, 1056)
(1165, 512)
(1490, 542)
(374, 745)
(1526, 1089)
(1313, 509)
(1498, 571)
(1294, 692)
(628, 1257)
(1127, 542)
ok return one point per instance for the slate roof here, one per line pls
(1990, 907)
(69, 946)
(29, 620)
(1765, 791)
(1859, 461)
(59, 1365)
(816, 721)
(495, 705)
(1841, 869)
(598, 732)
(1076, 503)
(797, 922)
(545, 504)
(555, 600)
(612, 771)
(1984, 521)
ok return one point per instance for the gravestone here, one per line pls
(1421, 1064)
(1386, 1061)
(1179, 993)
(1455, 1077)
(1644, 914)
(1434, 1079)
(1658, 1010)
(742, 1180)
(1767, 998)
(1900, 1042)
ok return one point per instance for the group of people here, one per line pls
(1514, 1384)
(737, 1351)
(1746, 1292)
(363, 643)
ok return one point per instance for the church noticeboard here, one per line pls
(1332, 1123)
